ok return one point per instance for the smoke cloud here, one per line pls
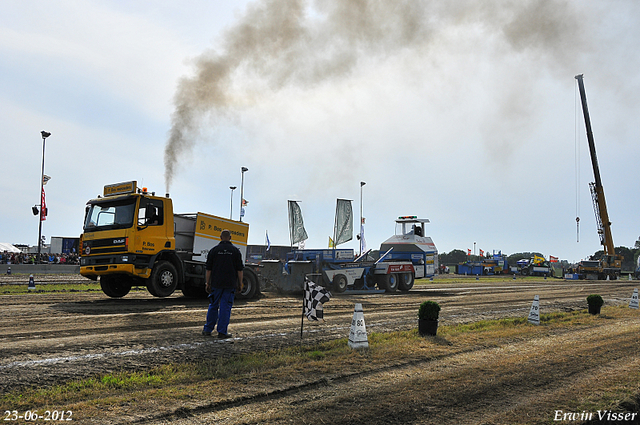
(281, 44)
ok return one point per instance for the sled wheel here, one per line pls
(406, 281)
(339, 283)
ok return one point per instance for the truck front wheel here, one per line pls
(115, 286)
(163, 280)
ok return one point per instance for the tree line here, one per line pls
(458, 256)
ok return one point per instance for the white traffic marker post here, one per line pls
(358, 334)
(634, 299)
(534, 313)
(32, 283)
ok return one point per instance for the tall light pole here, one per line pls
(231, 213)
(43, 211)
(242, 192)
(361, 227)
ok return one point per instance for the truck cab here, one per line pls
(126, 232)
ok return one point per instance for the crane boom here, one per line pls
(612, 262)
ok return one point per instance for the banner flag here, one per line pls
(296, 224)
(343, 228)
(268, 241)
(43, 208)
(363, 242)
(331, 244)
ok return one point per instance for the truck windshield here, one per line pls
(110, 215)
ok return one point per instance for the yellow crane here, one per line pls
(611, 263)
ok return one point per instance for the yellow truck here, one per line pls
(132, 238)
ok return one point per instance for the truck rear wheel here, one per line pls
(192, 290)
(115, 286)
(339, 283)
(406, 281)
(163, 280)
(249, 285)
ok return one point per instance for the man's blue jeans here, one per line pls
(220, 303)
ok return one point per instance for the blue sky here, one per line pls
(462, 112)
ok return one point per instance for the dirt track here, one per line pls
(50, 338)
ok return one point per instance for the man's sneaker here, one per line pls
(205, 333)
(224, 336)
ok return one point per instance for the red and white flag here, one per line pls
(43, 208)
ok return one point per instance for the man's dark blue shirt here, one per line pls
(224, 261)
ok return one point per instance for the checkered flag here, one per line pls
(314, 296)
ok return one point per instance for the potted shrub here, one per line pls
(595, 303)
(428, 318)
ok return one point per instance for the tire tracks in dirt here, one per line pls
(523, 382)
(95, 335)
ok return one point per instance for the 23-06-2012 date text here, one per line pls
(34, 415)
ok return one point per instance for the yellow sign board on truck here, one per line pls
(120, 188)
(207, 235)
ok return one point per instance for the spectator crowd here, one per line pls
(22, 258)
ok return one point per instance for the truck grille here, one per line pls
(104, 246)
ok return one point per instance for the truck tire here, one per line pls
(389, 282)
(163, 280)
(525, 272)
(406, 281)
(115, 286)
(191, 290)
(249, 285)
(339, 283)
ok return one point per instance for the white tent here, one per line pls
(8, 247)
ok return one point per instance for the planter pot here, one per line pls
(427, 327)
(594, 309)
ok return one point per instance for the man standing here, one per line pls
(224, 275)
